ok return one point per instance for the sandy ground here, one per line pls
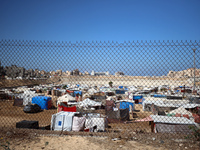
(10, 115)
(128, 135)
(126, 80)
(23, 139)
(76, 143)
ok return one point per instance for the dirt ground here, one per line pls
(129, 135)
(19, 139)
(10, 115)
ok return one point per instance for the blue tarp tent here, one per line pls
(137, 97)
(77, 92)
(42, 101)
(121, 87)
(124, 105)
(159, 95)
(120, 91)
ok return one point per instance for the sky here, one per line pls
(118, 21)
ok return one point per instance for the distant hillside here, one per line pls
(15, 83)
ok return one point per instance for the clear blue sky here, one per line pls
(102, 20)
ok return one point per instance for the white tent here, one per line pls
(62, 121)
(182, 111)
(65, 98)
(27, 96)
(92, 91)
(87, 102)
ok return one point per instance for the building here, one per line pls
(68, 73)
(75, 72)
(14, 71)
(99, 73)
(59, 72)
(87, 73)
(119, 74)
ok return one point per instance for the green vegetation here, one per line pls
(110, 83)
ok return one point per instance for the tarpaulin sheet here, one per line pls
(124, 105)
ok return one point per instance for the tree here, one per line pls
(110, 83)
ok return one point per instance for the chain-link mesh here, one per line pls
(102, 87)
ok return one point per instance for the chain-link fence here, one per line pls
(101, 87)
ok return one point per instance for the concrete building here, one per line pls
(99, 73)
(76, 72)
(87, 73)
(59, 72)
(52, 73)
(68, 73)
(119, 74)
(14, 71)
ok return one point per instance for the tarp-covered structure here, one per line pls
(65, 98)
(166, 124)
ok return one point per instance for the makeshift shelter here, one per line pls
(88, 103)
(110, 104)
(27, 96)
(62, 121)
(127, 104)
(63, 107)
(117, 115)
(18, 102)
(137, 99)
(183, 112)
(78, 123)
(43, 101)
(92, 91)
(77, 93)
(120, 91)
(166, 124)
(65, 98)
(94, 122)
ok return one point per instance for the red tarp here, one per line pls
(68, 91)
(196, 118)
(68, 109)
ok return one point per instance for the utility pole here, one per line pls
(194, 68)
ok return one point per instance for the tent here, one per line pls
(65, 98)
(43, 101)
(182, 111)
(92, 91)
(87, 102)
(166, 124)
(127, 104)
(62, 121)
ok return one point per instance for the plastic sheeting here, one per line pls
(65, 98)
(43, 101)
(78, 123)
(95, 124)
(124, 105)
(62, 121)
(88, 103)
